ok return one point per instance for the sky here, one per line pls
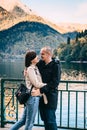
(60, 11)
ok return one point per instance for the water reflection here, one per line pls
(74, 71)
(70, 71)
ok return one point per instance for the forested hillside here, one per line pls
(74, 50)
(28, 35)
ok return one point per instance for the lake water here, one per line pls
(70, 71)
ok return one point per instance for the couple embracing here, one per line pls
(44, 75)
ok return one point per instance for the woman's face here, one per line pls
(35, 60)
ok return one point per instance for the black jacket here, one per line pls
(51, 75)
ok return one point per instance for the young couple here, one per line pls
(44, 75)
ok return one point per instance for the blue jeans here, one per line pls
(28, 116)
(49, 118)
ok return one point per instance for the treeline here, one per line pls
(74, 50)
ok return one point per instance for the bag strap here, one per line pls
(31, 89)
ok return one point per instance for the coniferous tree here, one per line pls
(77, 37)
(68, 40)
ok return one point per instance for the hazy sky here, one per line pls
(74, 11)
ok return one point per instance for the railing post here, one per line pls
(84, 110)
(67, 86)
(2, 103)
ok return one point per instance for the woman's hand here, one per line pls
(25, 72)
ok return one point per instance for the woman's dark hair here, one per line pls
(30, 55)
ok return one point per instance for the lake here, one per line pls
(70, 71)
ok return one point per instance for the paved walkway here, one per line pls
(7, 127)
(34, 128)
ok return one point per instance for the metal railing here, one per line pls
(71, 111)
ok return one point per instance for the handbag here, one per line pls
(22, 94)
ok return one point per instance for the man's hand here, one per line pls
(35, 92)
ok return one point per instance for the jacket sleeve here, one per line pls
(34, 79)
(53, 84)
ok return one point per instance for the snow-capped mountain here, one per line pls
(11, 4)
(14, 11)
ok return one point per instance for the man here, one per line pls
(50, 72)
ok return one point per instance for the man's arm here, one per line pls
(53, 84)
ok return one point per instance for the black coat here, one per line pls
(51, 75)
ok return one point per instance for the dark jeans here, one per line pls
(49, 118)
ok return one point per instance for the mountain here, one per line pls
(12, 12)
(11, 4)
(28, 35)
(20, 12)
(22, 29)
(3, 13)
(71, 27)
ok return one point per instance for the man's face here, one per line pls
(44, 55)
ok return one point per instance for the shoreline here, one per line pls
(74, 61)
(14, 59)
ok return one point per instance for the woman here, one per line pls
(32, 78)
